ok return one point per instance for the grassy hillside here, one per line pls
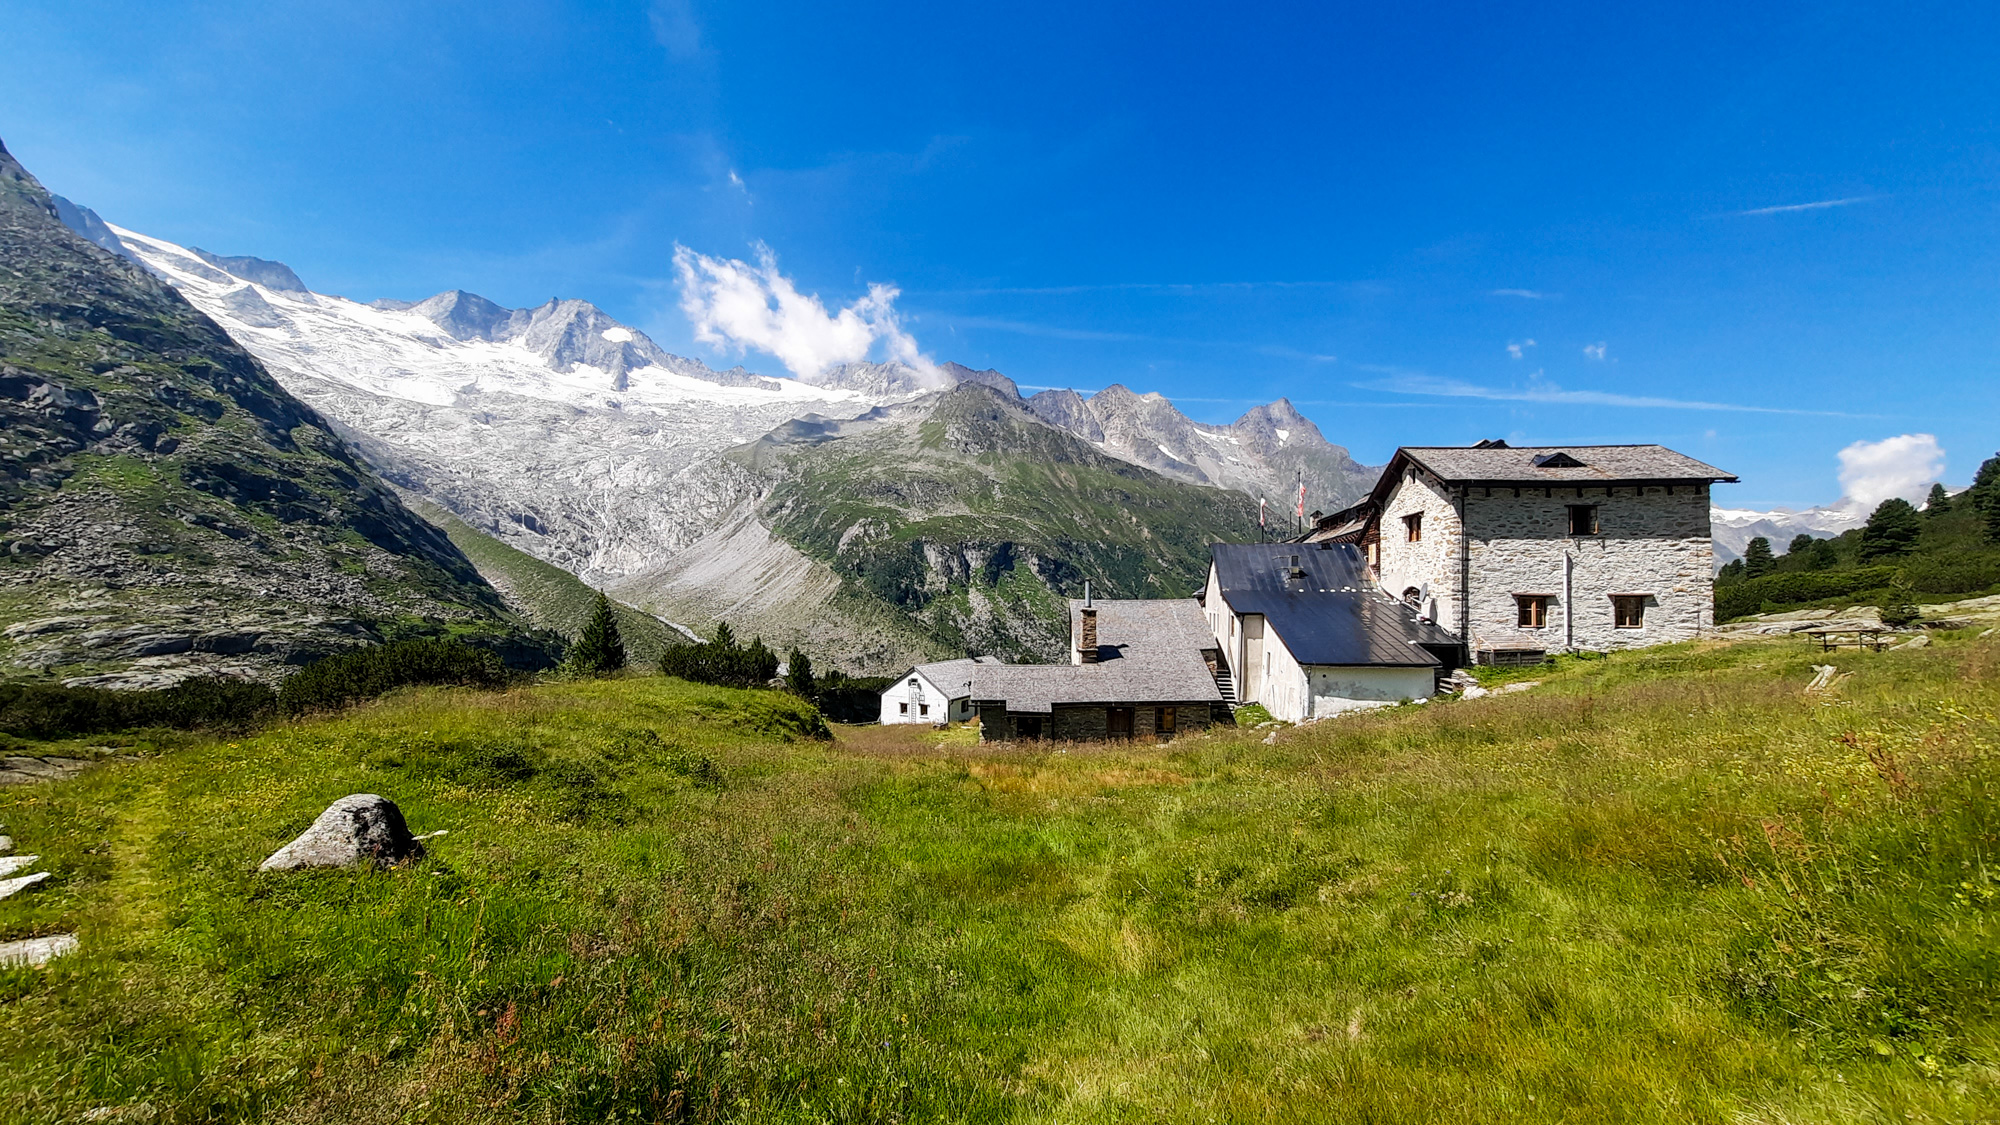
(975, 520)
(1952, 557)
(166, 508)
(1662, 886)
(545, 594)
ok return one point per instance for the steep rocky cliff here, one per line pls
(166, 507)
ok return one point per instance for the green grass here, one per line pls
(1662, 886)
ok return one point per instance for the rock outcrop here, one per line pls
(361, 828)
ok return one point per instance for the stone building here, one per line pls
(1526, 551)
(1304, 630)
(1137, 669)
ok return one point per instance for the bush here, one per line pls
(721, 661)
(851, 699)
(1899, 606)
(54, 711)
(368, 672)
(1752, 594)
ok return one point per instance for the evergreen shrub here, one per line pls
(365, 673)
(1786, 588)
(721, 661)
(54, 711)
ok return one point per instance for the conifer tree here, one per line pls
(1899, 608)
(1938, 503)
(599, 650)
(1802, 545)
(799, 675)
(1892, 530)
(1985, 497)
(1757, 558)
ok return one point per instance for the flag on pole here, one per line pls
(1302, 497)
(1260, 512)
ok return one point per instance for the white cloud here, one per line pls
(1905, 466)
(1594, 351)
(1520, 349)
(1540, 389)
(733, 304)
(1814, 206)
(1527, 294)
(674, 28)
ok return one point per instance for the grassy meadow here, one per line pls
(1662, 886)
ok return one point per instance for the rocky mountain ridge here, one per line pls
(166, 507)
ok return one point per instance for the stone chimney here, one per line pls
(1086, 634)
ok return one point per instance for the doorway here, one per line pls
(1118, 722)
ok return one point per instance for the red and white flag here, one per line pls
(1302, 499)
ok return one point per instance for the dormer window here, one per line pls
(1557, 460)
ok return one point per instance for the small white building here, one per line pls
(1304, 631)
(933, 693)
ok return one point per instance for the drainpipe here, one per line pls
(1569, 602)
(1464, 576)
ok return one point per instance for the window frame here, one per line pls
(1413, 528)
(1636, 603)
(1539, 603)
(1590, 510)
(905, 705)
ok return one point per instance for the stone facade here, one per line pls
(1651, 542)
(1430, 566)
(1088, 722)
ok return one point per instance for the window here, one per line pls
(1583, 519)
(923, 708)
(1628, 611)
(905, 708)
(1413, 527)
(1532, 610)
(1163, 720)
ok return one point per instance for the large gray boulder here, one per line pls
(362, 828)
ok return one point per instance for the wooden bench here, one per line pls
(1831, 639)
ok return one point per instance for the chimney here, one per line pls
(1086, 634)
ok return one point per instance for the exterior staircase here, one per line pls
(1226, 683)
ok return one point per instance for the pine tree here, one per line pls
(1892, 530)
(1938, 503)
(725, 637)
(1985, 497)
(1899, 607)
(1757, 558)
(598, 650)
(799, 675)
(1802, 545)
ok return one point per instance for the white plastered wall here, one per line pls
(905, 701)
(1339, 688)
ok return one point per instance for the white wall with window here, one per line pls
(918, 696)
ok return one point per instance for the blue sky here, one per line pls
(1789, 213)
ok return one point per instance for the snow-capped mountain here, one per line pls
(581, 441)
(558, 429)
(1734, 528)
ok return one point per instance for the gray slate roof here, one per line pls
(1150, 653)
(1334, 614)
(1133, 627)
(1162, 678)
(950, 676)
(1602, 464)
